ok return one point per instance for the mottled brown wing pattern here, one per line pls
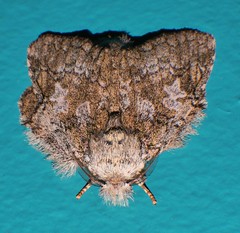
(57, 109)
(168, 79)
(157, 82)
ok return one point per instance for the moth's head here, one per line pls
(116, 162)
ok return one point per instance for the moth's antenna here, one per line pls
(148, 192)
(84, 189)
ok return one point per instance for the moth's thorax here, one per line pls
(115, 156)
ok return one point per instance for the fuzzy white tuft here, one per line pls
(116, 194)
(54, 141)
(63, 165)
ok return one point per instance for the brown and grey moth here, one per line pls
(108, 104)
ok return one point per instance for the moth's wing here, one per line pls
(57, 107)
(169, 72)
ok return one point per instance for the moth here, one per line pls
(108, 104)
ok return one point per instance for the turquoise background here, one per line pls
(197, 187)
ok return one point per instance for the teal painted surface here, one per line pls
(197, 187)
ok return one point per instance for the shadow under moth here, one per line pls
(109, 103)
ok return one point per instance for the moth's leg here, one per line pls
(84, 189)
(148, 192)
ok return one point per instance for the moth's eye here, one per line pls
(120, 142)
(109, 143)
